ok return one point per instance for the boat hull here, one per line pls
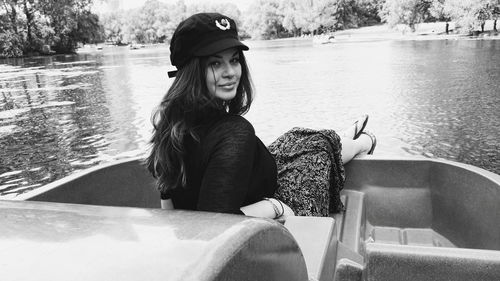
(405, 219)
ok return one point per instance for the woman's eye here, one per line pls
(235, 60)
(214, 63)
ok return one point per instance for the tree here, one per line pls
(346, 14)
(28, 25)
(64, 17)
(495, 7)
(10, 43)
(291, 14)
(88, 29)
(439, 13)
(29, 13)
(113, 24)
(299, 17)
(469, 15)
(151, 16)
(10, 9)
(368, 11)
(153, 22)
(409, 12)
(263, 20)
(176, 13)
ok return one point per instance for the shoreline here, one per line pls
(424, 31)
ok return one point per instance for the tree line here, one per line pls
(155, 21)
(28, 25)
(469, 15)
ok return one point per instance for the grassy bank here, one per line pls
(424, 31)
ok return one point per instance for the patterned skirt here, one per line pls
(310, 171)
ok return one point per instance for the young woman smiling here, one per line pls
(224, 74)
(206, 156)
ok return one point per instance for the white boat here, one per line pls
(405, 219)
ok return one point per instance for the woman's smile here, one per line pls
(228, 86)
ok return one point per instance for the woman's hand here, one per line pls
(268, 208)
(287, 213)
(167, 204)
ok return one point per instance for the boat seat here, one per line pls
(350, 229)
(126, 183)
(348, 270)
(426, 237)
(351, 221)
(317, 239)
(390, 262)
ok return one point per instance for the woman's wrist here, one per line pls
(167, 204)
(278, 207)
(266, 208)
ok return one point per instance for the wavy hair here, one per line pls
(185, 104)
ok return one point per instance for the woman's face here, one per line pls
(223, 74)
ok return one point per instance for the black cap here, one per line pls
(201, 35)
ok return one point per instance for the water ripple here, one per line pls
(433, 99)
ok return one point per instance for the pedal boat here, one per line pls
(405, 219)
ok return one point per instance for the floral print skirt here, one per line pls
(310, 171)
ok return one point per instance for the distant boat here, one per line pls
(134, 46)
(323, 39)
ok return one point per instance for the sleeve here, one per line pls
(229, 165)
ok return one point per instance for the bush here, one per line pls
(10, 45)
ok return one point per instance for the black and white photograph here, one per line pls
(273, 140)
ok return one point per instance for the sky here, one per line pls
(130, 4)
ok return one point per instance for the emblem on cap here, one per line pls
(223, 24)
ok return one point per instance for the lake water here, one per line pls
(435, 99)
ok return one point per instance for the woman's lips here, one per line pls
(228, 86)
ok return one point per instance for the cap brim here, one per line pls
(219, 46)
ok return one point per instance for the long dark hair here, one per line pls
(185, 104)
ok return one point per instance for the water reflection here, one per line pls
(427, 98)
(50, 112)
(65, 113)
(452, 105)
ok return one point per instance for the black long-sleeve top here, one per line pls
(228, 168)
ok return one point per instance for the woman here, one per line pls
(206, 157)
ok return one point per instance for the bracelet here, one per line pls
(277, 212)
(275, 208)
(282, 207)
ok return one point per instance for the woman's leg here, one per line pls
(351, 148)
(310, 171)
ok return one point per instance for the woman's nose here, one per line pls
(229, 70)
